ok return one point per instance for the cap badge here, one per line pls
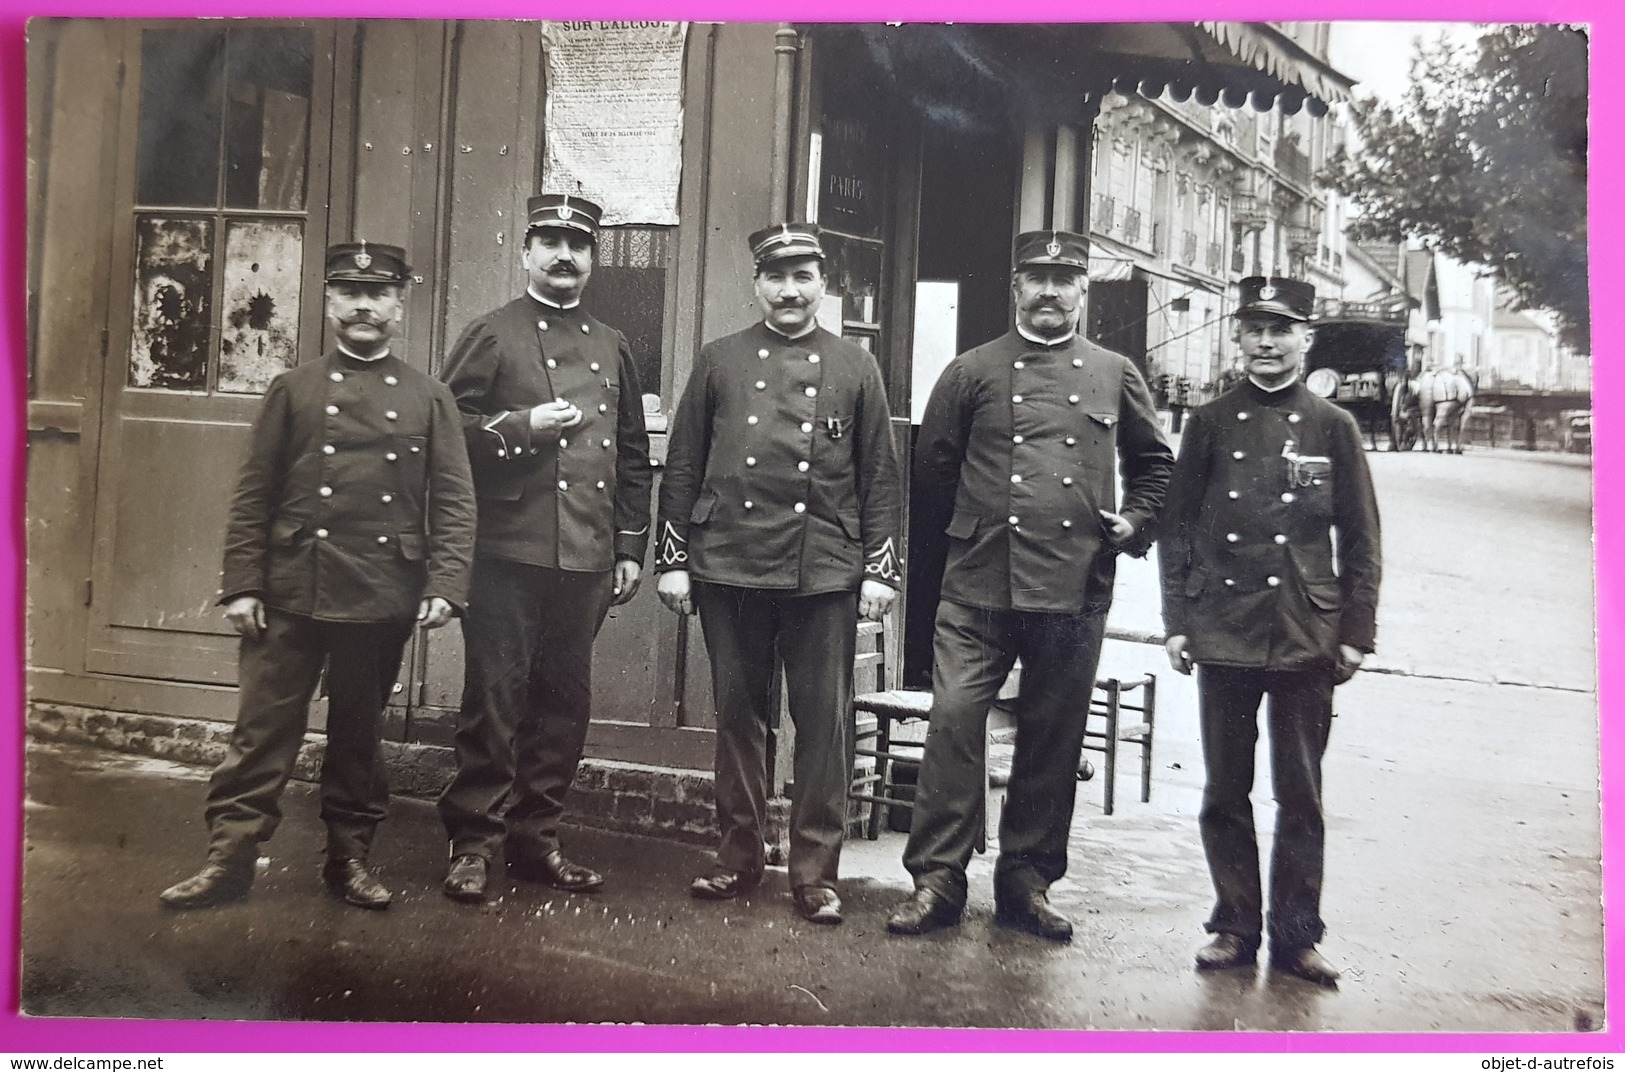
(784, 234)
(1266, 292)
(1054, 248)
(565, 211)
(363, 260)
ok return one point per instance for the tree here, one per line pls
(1485, 159)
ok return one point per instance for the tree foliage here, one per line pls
(1485, 159)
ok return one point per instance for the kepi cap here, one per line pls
(367, 262)
(784, 241)
(564, 212)
(1277, 295)
(1063, 248)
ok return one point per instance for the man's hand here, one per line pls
(247, 615)
(1118, 527)
(1348, 663)
(433, 613)
(628, 575)
(549, 419)
(673, 588)
(1178, 657)
(874, 600)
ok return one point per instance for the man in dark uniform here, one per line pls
(1271, 557)
(354, 512)
(1015, 459)
(553, 413)
(779, 519)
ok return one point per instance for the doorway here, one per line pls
(968, 190)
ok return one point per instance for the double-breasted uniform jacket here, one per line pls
(1020, 440)
(1271, 548)
(578, 502)
(780, 472)
(354, 502)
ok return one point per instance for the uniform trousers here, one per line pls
(815, 637)
(277, 675)
(527, 700)
(1300, 719)
(973, 652)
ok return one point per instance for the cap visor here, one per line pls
(561, 225)
(1272, 309)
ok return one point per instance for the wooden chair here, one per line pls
(877, 710)
(1112, 721)
(1116, 715)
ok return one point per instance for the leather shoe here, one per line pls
(349, 880)
(217, 883)
(818, 904)
(1226, 951)
(558, 872)
(925, 911)
(1306, 963)
(1031, 911)
(466, 878)
(724, 885)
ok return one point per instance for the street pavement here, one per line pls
(1463, 878)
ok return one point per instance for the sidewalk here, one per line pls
(1411, 847)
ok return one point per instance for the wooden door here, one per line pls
(220, 227)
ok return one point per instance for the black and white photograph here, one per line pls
(1048, 526)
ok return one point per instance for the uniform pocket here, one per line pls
(851, 523)
(284, 530)
(1326, 596)
(1194, 583)
(1107, 421)
(964, 525)
(702, 508)
(412, 546)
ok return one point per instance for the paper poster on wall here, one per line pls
(614, 116)
(936, 338)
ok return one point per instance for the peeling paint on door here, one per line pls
(259, 306)
(169, 346)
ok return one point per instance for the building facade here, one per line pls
(1189, 198)
(187, 176)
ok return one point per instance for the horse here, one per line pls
(1445, 397)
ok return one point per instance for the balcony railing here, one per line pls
(1293, 163)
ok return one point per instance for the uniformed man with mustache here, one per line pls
(1016, 462)
(553, 414)
(779, 518)
(353, 518)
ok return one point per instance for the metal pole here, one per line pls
(786, 43)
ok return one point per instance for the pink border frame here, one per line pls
(22, 1035)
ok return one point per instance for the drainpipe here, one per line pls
(786, 44)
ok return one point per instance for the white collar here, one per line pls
(1272, 390)
(812, 326)
(1047, 343)
(531, 290)
(347, 352)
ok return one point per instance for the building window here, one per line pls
(223, 145)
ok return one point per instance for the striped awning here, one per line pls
(961, 73)
(1277, 55)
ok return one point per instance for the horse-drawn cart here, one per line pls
(1358, 360)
